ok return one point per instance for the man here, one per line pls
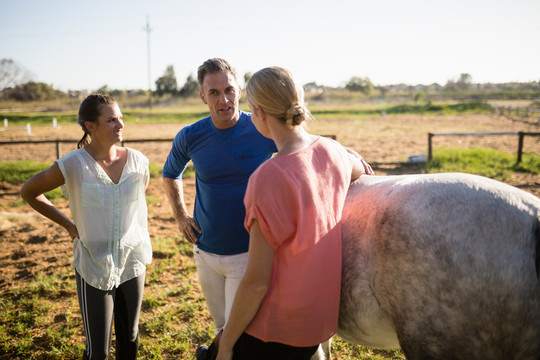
(225, 149)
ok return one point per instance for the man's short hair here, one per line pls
(213, 66)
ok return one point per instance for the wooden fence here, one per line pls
(58, 142)
(517, 111)
(521, 135)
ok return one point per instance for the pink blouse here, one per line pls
(298, 200)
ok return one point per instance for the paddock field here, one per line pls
(35, 254)
(379, 139)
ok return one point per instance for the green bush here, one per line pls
(130, 116)
(430, 107)
(481, 161)
(20, 171)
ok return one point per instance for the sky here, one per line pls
(76, 45)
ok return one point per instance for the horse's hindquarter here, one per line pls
(446, 258)
(362, 320)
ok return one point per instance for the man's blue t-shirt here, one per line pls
(223, 160)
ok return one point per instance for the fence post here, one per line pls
(429, 154)
(520, 147)
(6, 123)
(58, 149)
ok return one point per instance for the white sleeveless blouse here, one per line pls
(114, 243)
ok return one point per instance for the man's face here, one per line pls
(221, 93)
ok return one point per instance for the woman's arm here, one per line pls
(147, 180)
(360, 166)
(251, 291)
(33, 190)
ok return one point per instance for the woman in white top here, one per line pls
(106, 187)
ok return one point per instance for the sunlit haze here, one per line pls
(85, 45)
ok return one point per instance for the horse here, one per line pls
(443, 266)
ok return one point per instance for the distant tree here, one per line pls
(419, 96)
(383, 90)
(104, 90)
(33, 91)
(464, 82)
(247, 76)
(451, 86)
(115, 93)
(12, 74)
(167, 83)
(360, 84)
(433, 88)
(190, 88)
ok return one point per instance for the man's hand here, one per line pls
(186, 223)
(188, 226)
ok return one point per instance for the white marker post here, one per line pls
(54, 123)
(28, 129)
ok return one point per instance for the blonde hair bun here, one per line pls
(275, 91)
(295, 115)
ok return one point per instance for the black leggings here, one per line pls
(99, 306)
(248, 347)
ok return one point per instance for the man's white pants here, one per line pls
(219, 276)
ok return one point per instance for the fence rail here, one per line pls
(57, 142)
(521, 135)
(519, 111)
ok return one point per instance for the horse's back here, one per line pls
(447, 261)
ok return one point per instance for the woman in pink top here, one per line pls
(288, 300)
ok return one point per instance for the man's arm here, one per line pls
(186, 223)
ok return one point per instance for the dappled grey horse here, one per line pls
(444, 266)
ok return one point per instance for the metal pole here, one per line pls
(520, 147)
(429, 156)
(148, 30)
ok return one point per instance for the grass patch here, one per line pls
(41, 319)
(130, 116)
(30, 319)
(490, 163)
(530, 163)
(155, 170)
(447, 109)
(188, 115)
(474, 107)
(163, 117)
(18, 172)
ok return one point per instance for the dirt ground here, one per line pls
(29, 243)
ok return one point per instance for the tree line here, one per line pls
(15, 84)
